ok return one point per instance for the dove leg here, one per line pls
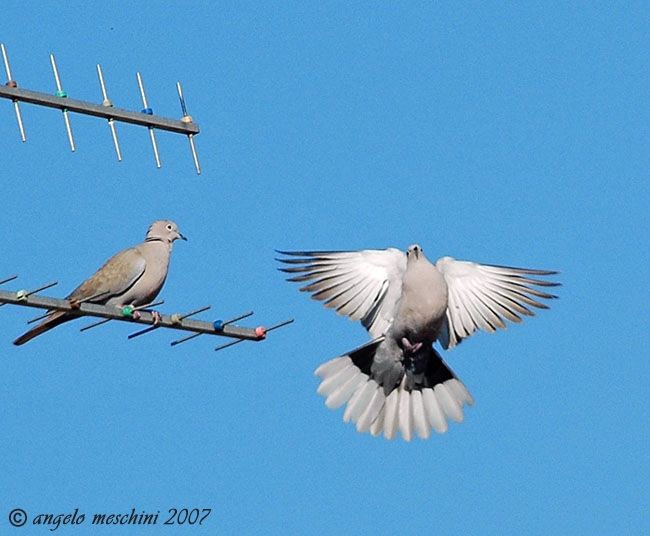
(410, 348)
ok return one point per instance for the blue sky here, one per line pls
(512, 133)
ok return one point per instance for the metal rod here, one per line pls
(21, 295)
(182, 99)
(62, 94)
(185, 339)
(19, 117)
(143, 331)
(228, 344)
(49, 285)
(95, 324)
(142, 93)
(195, 312)
(9, 279)
(40, 317)
(147, 110)
(97, 110)
(280, 325)
(106, 101)
(6, 61)
(111, 122)
(188, 119)
(116, 143)
(195, 156)
(11, 82)
(240, 317)
(152, 304)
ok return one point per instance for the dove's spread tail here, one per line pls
(54, 320)
(420, 398)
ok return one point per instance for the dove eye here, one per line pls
(169, 227)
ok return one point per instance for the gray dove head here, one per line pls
(413, 253)
(165, 230)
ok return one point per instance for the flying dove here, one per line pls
(134, 276)
(398, 381)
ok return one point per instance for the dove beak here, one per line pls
(182, 237)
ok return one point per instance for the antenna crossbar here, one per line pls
(88, 108)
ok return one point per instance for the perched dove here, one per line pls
(134, 276)
(398, 380)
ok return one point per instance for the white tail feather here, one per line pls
(422, 428)
(391, 422)
(332, 366)
(378, 424)
(340, 395)
(404, 414)
(448, 403)
(433, 411)
(360, 403)
(460, 392)
(370, 415)
(331, 383)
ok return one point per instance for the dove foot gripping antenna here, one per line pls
(139, 315)
(106, 110)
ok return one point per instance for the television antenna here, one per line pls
(60, 100)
